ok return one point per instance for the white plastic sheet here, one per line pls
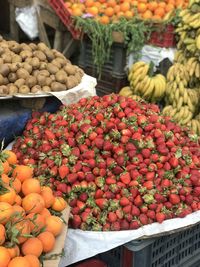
(155, 54)
(26, 17)
(80, 244)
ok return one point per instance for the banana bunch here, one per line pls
(181, 103)
(183, 115)
(194, 124)
(126, 91)
(142, 84)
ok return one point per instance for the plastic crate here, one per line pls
(181, 249)
(65, 16)
(107, 83)
(164, 36)
(116, 63)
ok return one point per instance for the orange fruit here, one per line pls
(109, 11)
(9, 196)
(169, 7)
(18, 200)
(48, 197)
(16, 184)
(116, 8)
(142, 7)
(156, 17)
(14, 251)
(24, 228)
(46, 188)
(33, 203)
(93, 10)
(111, 3)
(31, 186)
(128, 14)
(37, 221)
(89, 3)
(32, 246)
(19, 262)
(77, 12)
(125, 6)
(54, 225)
(23, 172)
(5, 166)
(4, 257)
(147, 14)
(152, 5)
(33, 260)
(48, 241)
(162, 4)
(2, 234)
(18, 212)
(160, 11)
(5, 179)
(6, 210)
(45, 213)
(59, 204)
(12, 158)
(104, 19)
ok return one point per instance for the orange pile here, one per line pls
(27, 228)
(106, 11)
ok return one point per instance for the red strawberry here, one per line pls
(101, 203)
(124, 201)
(134, 225)
(127, 209)
(125, 177)
(146, 152)
(117, 170)
(119, 213)
(173, 162)
(160, 217)
(143, 219)
(112, 217)
(72, 177)
(115, 226)
(83, 196)
(76, 221)
(174, 199)
(150, 176)
(62, 187)
(135, 211)
(138, 201)
(148, 184)
(110, 180)
(63, 171)
(151, 214)
(81, 205)
(124, 225)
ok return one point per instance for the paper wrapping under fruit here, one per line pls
(85, 89)
(81, 245)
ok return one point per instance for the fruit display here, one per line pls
(119, 163)
(112, 10)
(34, 68)
(28, 221)
(144, 84)
(182, 93)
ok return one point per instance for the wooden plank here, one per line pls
(60, 241)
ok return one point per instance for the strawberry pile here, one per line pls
(118, 162)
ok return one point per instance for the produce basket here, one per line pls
(62, 12)
(180, 249)
(163, 36)
(53, 260)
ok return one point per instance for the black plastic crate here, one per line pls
(115, 65)
(181, 249)
(107, 83)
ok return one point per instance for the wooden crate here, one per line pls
(60, 241)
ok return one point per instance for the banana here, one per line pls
(125, 91)
(185, 97)
(180, 103)
(198, 127)
(181, 88)
(190, 105)
(147, 95)
(166, 110)
(178, 79)
(197, 70)
(145, 85)
(194, 126)
(177, 96)
(198, 42)
(189, 117)
(192, 68)
(137, 65)
(170, 74)
(140, 73)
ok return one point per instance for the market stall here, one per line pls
(105, 168)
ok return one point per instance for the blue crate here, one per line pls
(180, 249)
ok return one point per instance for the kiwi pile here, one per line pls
(35, 68)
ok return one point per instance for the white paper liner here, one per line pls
(85, 89)
(81, 245)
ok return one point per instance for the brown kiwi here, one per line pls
(56, 87)
(22, 73)
(12, 77)
(24, 89)
(31, 81)
(4, 70)
(19, 82)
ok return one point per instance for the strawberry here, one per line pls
(151, 214)
(83, 196)
(127, 209)
(124, 224)
(112, 217)
(174, 199)
(119, 213)
(81, 205)
(135, 211)
(99, 193)
(173, 162)
(146, 152)
(115, 226)
(160, 217)
(138, 201)
(101, 203)
(110, 180)
(134, 225)
(143, 219)
(63, 171)
(76, 221)
(124, 201)
(125, 178)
